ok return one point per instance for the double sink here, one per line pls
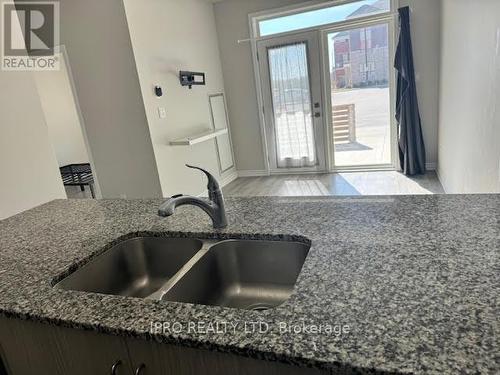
(245, 274)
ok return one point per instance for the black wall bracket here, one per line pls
(191, 78)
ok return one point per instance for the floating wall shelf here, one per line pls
(198, 138)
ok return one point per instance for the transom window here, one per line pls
(322, 16)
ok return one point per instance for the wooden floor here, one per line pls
(356, 183)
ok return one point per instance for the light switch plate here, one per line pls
(499, 170)
(162, 112)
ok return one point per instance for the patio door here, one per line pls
(360, 99)
(290, 71)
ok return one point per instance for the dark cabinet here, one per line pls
(33, 348)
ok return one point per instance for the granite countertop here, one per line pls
(416, 279)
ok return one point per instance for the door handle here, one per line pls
(317, 114)
(138, 370)
(316, 105)
(115, 367)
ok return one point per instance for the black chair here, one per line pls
(78, 175)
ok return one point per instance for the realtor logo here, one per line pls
(30, 35)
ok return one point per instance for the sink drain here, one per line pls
(259, 307)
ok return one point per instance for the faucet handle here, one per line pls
(213, 185)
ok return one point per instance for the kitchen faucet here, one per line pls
(215, 208)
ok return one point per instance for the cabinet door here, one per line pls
(35, 348)
(163, 359)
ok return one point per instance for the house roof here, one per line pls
(364, 9)
(379, 5)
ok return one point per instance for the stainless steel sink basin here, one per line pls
(136, 267)
(253, 275)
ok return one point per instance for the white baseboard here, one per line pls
(440, 180)
(253, 173)
(229, 177)
(263, 172)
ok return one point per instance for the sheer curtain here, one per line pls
(293, 121)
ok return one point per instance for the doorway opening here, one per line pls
(325, 83)
(360, 96)
(65, 127)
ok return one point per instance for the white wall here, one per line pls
(28, 168)
(95, 34)
(168, 36)
(469, 131)
(232, 24)
(61, 115)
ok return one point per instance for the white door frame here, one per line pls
(313, 45)
(253, 20)
(390, 20)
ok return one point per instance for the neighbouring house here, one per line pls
(360, 56)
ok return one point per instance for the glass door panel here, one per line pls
(292, 107)
(290, 73)
(360, 96)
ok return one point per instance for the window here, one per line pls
(323, 16)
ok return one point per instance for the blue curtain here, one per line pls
(411, 142)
